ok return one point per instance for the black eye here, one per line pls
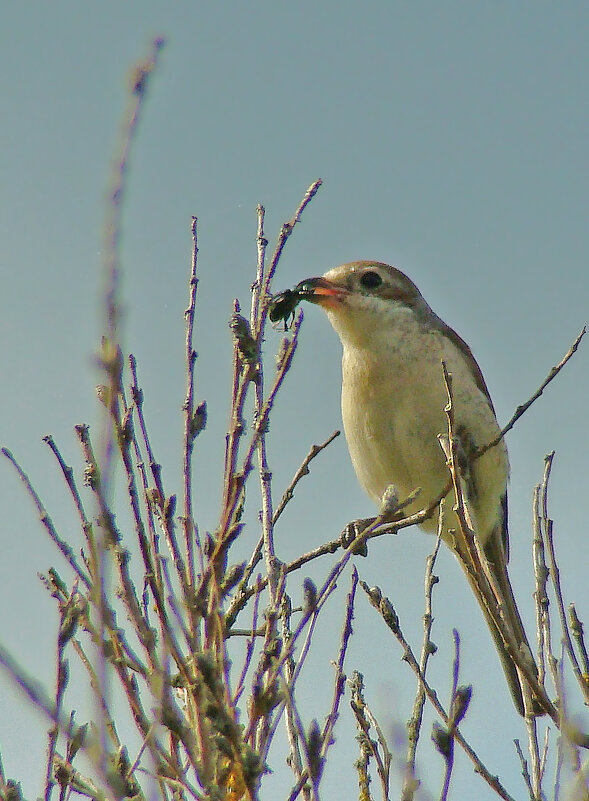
(370, 280)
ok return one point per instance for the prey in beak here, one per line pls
(315, 290)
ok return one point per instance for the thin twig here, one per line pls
(340, 676)
(285, 233)
(111, 354)
(192, 426)
(249, 651)
(448, 738)
(154, 467)
(525, 406)
(364, 720)
(301, 472)
(294, 760)
(265, 476)
(387, 612)
(46, 519)
(244, 593)
(60, 686)
(577, 632)
(525, 772)
(542, 603)
(37, 696)
(535, 759)
(555, 579)
(410, 783)
(339, 687)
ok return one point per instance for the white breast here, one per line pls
(393, 399)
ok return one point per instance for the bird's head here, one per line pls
(364, 296)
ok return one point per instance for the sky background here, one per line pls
(452, 141)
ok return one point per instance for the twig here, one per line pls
(111, 353)
(410, 783)
(364, 720)
(339, 686)
(243, 593)
(37, 696)
(534, 752)
(293, 732)
(243, 373)
(68, 474)
(388, 614)
(137, 395)
(265, 476)
(131, 689)
(60, 686)
(525, 771)
(121, 164)
(146, 635)
(261, 244)
(555, 579)
(192, 425)
(577, 632)
(249, 652)
(311, 615)
(285, 233)
(302, 471)
(235, 481)
(525, 406)
(542, 603)
(340, 676)
(443, 738)
(154, 467)
(374, 527)
(46, 519)
(309, 618)
(313, 766)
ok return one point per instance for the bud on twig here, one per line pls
(199, 419)
(246, 344)
(309, 596)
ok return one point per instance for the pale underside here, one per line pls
(392, 421)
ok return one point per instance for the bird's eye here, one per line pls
(370, 280)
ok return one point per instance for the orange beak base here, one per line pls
(320, 291)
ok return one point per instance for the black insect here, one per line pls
(283, 305)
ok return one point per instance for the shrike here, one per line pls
(393, 399)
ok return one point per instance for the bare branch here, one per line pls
(410, 783)
(46, 520)
(193, 424)
(555, 579)
(525, 406)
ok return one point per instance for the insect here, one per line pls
(283, 304)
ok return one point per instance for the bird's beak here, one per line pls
(321, 291)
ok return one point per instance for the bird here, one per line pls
(393, 409)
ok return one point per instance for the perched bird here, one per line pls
(393, 399)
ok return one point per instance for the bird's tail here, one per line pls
(520, 691)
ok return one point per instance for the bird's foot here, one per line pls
(352, 531)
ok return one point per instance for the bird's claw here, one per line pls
(352, 531)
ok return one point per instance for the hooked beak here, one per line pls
(321, 291)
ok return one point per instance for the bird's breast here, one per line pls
(393, 401)
(392, 413)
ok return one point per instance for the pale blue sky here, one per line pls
(452, 141)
